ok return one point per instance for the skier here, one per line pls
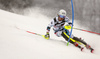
(58, 24)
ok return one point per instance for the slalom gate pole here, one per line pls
(72, 21)
(87, 31)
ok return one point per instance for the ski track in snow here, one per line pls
(18, 44)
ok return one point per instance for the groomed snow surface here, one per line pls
(18, 44)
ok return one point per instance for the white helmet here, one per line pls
(62, 12)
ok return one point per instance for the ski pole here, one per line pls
(86, 31)
(33, 33)
(28, 31)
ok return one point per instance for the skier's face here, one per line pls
(60, 17)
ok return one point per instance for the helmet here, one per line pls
(62, 12)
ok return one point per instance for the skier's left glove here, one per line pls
(47, 36)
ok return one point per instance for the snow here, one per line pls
(18, 44)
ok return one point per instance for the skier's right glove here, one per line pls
(47, 36)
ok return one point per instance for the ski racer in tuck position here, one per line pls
(61, 30)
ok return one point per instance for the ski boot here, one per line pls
(76, 44)
(92, 50)
(89, 47)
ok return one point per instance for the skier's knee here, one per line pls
(58, 33)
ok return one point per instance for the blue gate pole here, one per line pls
(72, 21)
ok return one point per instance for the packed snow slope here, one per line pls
(18, 44)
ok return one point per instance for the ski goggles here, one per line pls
(61, 16)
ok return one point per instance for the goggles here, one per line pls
(61, 16)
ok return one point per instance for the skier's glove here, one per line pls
(47, 36)
(69, 23)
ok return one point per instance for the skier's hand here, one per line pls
(47, 35)
(70, 24)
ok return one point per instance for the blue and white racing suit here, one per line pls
(58, 26)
